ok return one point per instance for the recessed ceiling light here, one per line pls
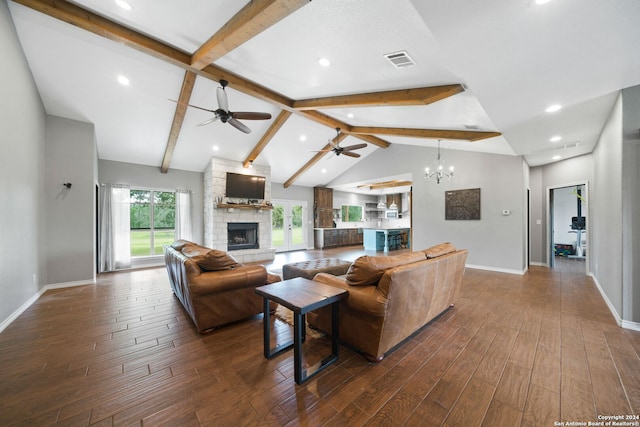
(303, 137)
(216, 148)
(123, 4)
(553, 108)
(324, 62)
(555, 138)
(123, 80)
(556, 157)
(323, 170)
(542, 1)
(350, 115)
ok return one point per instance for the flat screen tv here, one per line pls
(241, 186)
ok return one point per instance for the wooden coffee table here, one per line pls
(301, 296)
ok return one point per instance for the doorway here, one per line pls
(567, 237)
(288, 225)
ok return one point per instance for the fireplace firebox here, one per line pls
(242, 235)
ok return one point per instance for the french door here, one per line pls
(289, 225)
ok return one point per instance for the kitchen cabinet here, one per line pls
(334, 237)
(323, 207)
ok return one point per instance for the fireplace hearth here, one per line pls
(242, 235)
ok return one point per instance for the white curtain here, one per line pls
(115, 228)
(183, 215)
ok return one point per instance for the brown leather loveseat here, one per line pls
(391, 297)
(213, 288)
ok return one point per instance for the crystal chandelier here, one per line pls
(439, 172)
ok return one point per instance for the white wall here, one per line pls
(71, 212)
(22, 169)
(606, 210)
(495, 241)
(150, 177)
(631, 204)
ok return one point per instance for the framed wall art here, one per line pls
(462, 204)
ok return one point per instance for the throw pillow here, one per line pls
(178, 245)
(367, 270)
(439, 250)
(209, 259)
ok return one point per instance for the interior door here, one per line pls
(288, 225)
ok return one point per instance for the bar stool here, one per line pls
(404, 240)
(393, 241)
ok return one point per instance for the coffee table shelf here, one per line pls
(301, 296)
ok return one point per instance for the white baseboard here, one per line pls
(496, 269)
(69, 284)
(37, 295)
(627, 324)
(539, 264)
(612, 309)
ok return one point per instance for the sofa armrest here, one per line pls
(210, 282)
(366, 299)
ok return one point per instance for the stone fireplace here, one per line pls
(217, 219)
(242, 235)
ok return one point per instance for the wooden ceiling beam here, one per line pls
(403, 97)
(254, 18)
(267, 137)
(315, 159)
(178, 118)
(101, 26)
(386, 184)
(371, 139)
(96, 24)
(326, 120)
(467, 135)
(245, 86)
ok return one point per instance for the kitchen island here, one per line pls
(378, 239)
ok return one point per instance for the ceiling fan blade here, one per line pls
(250, 115)
(211, 120)
(239, 125)
(350, 154)
(193, 106)
(333, 144)
(223, 103)
(320, 151)
(354, 147)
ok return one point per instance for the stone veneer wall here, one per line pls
(215, 220)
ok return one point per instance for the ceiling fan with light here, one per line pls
(338, 150)
(225, 116)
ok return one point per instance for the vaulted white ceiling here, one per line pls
(513, 57)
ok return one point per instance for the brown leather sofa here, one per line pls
(213, 288)
(391, 297)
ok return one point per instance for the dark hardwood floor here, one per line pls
(527, 350)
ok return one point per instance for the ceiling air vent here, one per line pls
(400, 59)
(566, 146)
